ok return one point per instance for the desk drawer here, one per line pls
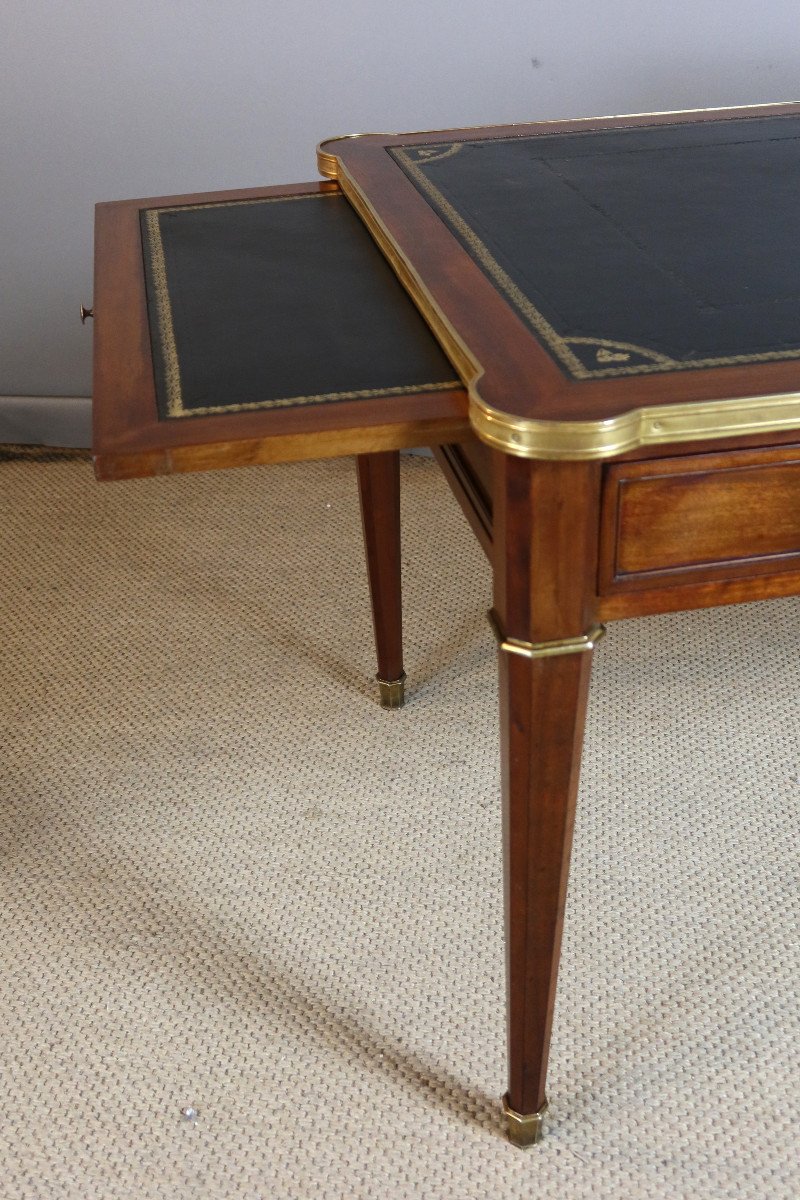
(701, 517)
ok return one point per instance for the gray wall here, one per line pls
(105, 99)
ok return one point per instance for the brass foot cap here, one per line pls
(392, 691)
(523, 1129)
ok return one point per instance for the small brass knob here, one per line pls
(86, 312)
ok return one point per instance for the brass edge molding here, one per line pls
(572, 645)
(329, 165)
(656, 425)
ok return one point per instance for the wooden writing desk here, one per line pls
(618, 299)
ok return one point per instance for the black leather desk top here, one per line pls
(278, 302)
(637, 250)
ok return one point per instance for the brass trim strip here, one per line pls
(523, 1129)
(573, 645)
(328, 164)
(655, 425)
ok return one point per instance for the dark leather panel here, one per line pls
(634, 250)
(278, 302)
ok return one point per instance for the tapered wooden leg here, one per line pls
(546, 519)
(379, 489)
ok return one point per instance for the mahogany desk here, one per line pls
(619, 302)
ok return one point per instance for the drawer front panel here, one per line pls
(709, 516)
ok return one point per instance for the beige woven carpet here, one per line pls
(231, 881)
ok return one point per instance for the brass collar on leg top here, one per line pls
(572, 645)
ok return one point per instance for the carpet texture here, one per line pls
(232, 882)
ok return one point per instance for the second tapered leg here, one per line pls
(379, 490)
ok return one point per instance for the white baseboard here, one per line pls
(46, 421)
